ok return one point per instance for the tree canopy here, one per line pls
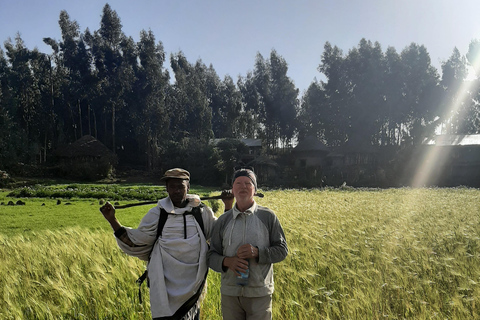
(106, 85)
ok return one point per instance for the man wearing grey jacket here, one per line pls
(246, 241)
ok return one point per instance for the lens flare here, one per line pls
(433, 158)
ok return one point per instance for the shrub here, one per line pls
(5, 179)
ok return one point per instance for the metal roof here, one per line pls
(252, 142)
(456, 140)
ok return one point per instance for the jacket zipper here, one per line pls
(244, 241)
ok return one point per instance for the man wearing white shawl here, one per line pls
(177, 267)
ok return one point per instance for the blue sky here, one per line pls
(228, 34)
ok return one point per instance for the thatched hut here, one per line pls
(87, 158)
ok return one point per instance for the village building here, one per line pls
(453, 160)
(87, 159)
(310, 160)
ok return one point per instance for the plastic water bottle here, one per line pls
(242, 279)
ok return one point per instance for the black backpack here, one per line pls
(162, 219)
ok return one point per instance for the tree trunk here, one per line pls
(95, 124)
(45, 147)
(113, 129)
(73, 122)
(80, 117)
(149, 152)
(89, 120)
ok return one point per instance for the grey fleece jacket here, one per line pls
(258, 226)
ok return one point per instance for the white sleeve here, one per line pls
(143, 237)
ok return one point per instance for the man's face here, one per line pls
(243, 188)
(177, 191)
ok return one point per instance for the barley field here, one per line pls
(353, 254)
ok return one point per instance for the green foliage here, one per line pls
(272, 97)
(104, 84)
(375, 97)
(231, 151)
(5, 179)
(112, 192)
(196, 156)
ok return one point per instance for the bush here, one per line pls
(5, 179)
(113, 192)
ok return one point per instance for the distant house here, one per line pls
(355, 163)
(453, 159)
(310, 160)
(254, 149)
(85, 158)
(310, 152)
(265, 168)
(354, 152)
(456, 140)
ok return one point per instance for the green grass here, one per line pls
(67, 274)
(75, 209)
(354, 254)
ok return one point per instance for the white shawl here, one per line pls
(177, 266)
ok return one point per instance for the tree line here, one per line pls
(104, 84)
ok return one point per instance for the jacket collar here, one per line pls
(250, 210)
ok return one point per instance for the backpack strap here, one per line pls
(161, 223)
(162, 219)
(197, 214)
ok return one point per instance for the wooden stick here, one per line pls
(261, 195)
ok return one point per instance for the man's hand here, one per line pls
(228, 199)
(247, 251)
(236, 264)
(108, 211)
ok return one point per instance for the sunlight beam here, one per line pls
(433, 159)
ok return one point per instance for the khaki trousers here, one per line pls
(243, 308)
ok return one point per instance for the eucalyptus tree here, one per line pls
(226, 103)
(190, 115)
(379, 98)
(336, 89)
(78, 79)
(148, 113)
(284, 103)
(114, 72)
(26, 98)
(313, 112)
(249, 124)
(473, 57)
(365, 68)
(8, 130)
(231, 111)
(472, 114)
(457, 98)
(213, 94)
(421, 92)
(392, 115)
(43, 129)
(63, 126)
(273, 98)
(191, 118)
